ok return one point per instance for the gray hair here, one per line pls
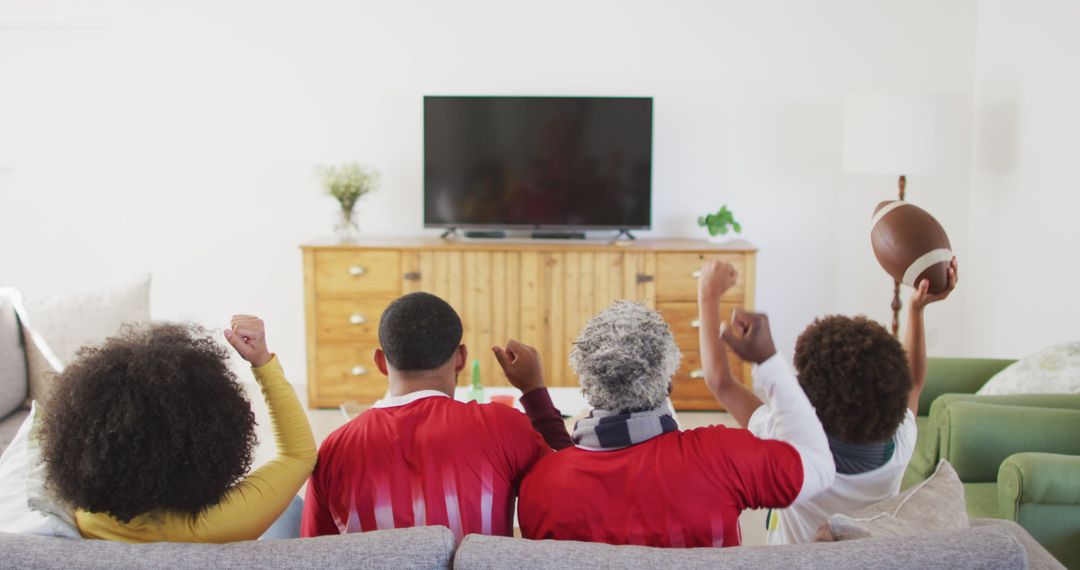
(625, 358)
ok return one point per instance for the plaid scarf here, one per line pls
(605, 429)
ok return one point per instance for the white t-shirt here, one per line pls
(800, 522)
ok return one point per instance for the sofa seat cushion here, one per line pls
(982, 500)
(421, 547)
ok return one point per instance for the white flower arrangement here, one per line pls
(348, 183)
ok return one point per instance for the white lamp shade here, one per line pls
(903, 134)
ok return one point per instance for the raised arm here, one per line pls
(716, 278)
(249, 508)
(793, 418)
(521, 364)
(915, 342)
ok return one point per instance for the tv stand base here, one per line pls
(485, 234)
(558, 235)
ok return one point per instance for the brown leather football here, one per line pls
(910, 244)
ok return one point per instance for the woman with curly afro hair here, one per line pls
(150, 437)
(865, 388)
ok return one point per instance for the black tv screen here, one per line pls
(538, 162)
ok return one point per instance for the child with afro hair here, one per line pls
(862, 383)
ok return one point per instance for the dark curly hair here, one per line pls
(419, 331)
(153, 419)
(856, 376)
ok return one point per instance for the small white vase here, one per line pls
(346, 229)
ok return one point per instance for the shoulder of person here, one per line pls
(504, 413)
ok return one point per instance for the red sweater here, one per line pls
(680, 489)
(426, 459)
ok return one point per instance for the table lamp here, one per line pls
(902, 134)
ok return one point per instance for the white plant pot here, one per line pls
(724, 238)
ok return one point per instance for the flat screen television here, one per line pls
(538, 162)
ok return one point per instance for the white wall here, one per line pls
(179, 138)
(1023, 276)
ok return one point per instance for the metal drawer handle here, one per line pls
(695, 324)
(697, 374)
(696, 274)
(357, 319)
(357, 270)
(358, 370)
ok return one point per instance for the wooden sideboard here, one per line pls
(538, 292)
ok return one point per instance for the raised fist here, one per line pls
(248, 336)
(749, 336)
(716, 278)
(521, 364)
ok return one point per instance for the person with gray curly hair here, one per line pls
(625, 358)
(632, 477)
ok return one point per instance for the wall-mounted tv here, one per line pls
(538, 162)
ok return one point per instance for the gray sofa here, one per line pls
(988, 544)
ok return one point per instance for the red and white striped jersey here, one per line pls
(422, 459)
(680, 489)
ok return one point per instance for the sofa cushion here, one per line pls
(1054, 370)
(9, 426)
(936, 504)
(13, 379)
(69, 322)
(986, 547)
(26, 505)
(421, 547)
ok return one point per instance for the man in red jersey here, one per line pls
(419, 457)
(634, 478)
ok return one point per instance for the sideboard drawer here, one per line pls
(348, 373)
(345, 272)
(349, 320)
(677, 275)
(691, 369)
(685, 322)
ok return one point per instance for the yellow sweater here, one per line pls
(249, 508)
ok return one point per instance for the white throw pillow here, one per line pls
(66, 323)
(1055, 370)
(26, 506)
(935, 505)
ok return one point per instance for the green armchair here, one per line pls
(1018, 456)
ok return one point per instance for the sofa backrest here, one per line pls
(957, 376)
(984, 547)
(420, 547)
(13, 378)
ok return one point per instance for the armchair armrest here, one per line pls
(1041, 492)
(1045, 478)
(957, 376)
(977, 437)
(928, 448)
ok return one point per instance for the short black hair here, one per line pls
(856, 375)
(151, 420)
(419, 331)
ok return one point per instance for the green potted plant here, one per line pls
(347, 183)
(720, 224)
